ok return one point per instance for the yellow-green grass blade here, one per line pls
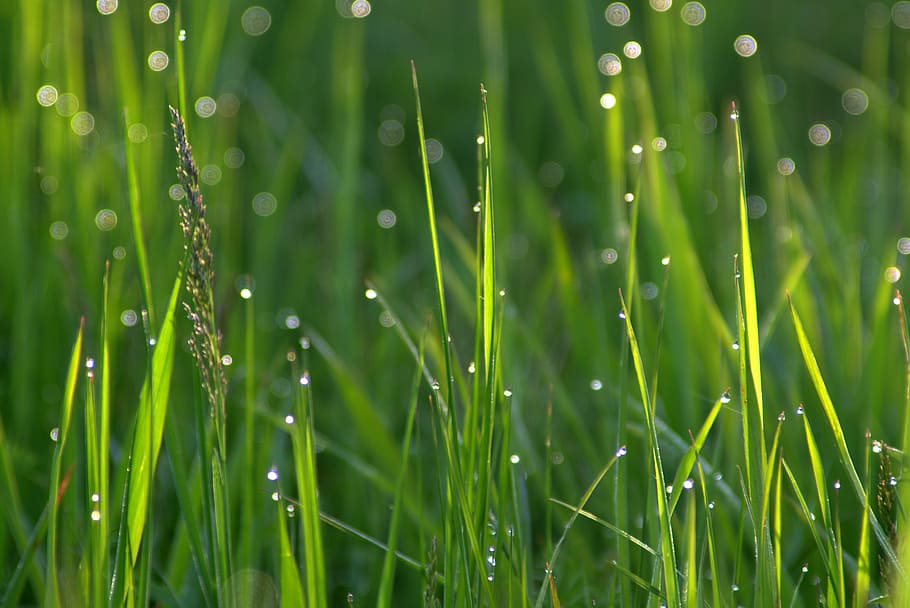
(691, 580)
(387, 577)
(153, 404)
(102, 569)
(777, 524)
(688, 460)
(753, 454)
(750, 306)
(808, 517)
(612, 528)
(576, 511)
(837, 432)
(370, 540)
(667, 545)
(304, 451)
(489, 252)
(52, 597)
(709, 538)
(653, 592)
(16, 582)
(291, 589)
(434, 241)
(766, 590)
(864, 552)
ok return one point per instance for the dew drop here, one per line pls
(596, 385)
(855, 101)
(289, 419)
(661, 5)
(617, 14)
(471, 368)
(608, 101)
(129, 318)
(159, 13)
(632, 49)
(264, 204)
(106, 7)
(665, 261)
(819, 134)
(892, 274)
(435, 150)
(276, 496)
(435, 385)
(82, 123)
(181, 36)
(609, 64)
(55, 433)
(622, 314)
(659, 144)
(304, 379)
(227, 360)
(735, 345)
(800, 410)
(786, 166)
(272, 474)
(837, 484)
(637, 149)
(507, 392)
(781, 417)
(688, 484)
(47, 95)
(892, 481)
(628, 197)
(745, 45)
(137, 133)
(361, 8)
(158, 61)
(693, 13)
(621, 451)
(370, 294)
(609, 255)
(256, 21)
(725, 397)
(386, 219)
(711, 505)
(176, 192)
(669, 489)
(96, 515)
(211, 175)
(67, 104)
(205, 106)
(106, 220)
(514, 459)
(234, 157)
(718, 476)
(900, 14)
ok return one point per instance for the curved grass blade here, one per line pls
(838, 433)
(58, 485)
(688, 460)
(153, 404)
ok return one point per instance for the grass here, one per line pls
(675, 374)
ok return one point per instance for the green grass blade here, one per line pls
(434, 239)
(291, 590)
(667, 544)
(688, 460)
(710, 539)
(58, 486)
(838, 434)
(864, 553)
(750, 307)
(810, 521)
(612, 528)
(576, 511)
(153, 404)
(691, 581)
(305, 468)
(386, 580)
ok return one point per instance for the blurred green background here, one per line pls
(318, 112)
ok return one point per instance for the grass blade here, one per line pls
(58, 485)
(838, 433)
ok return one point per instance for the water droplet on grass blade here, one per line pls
(621, 451)
(622, 314)
(637, 149)
(596, 385)
(96, 515)
(82, 123)
(67, 104)
(227, 360)
(55, 433)
(735, 345)
(892, 274)
(608, 101)
(137, 133)
(234, 157)
(106, 220)
(855, 101)
(661, 5)
(507, 392)
(514, 459)
(264, 204)
(386, 219)
(659, 144)
(272, 474)
(877, 447)
(725, 397)
(609, 256)
(617, 14)
(800, 410)
(900, 14)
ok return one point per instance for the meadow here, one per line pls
(454, 304)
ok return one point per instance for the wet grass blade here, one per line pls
(387, 577)
(837, 432)
(58, 483)
(153, 404)
(667, 544)
(291, 590)
(688, 460)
